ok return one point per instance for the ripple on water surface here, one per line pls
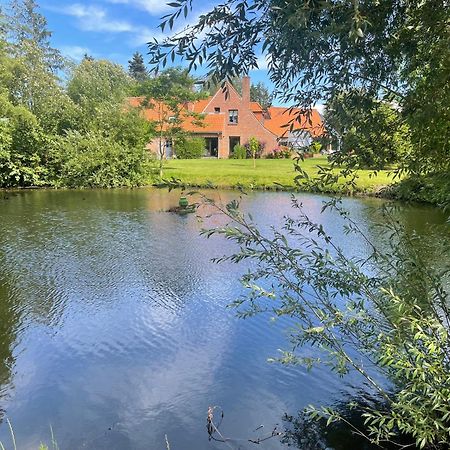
(114, 328)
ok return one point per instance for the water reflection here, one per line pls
(114, 327)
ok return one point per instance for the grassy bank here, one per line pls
(431, 188)
(229, 173)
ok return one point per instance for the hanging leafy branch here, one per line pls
(384, 316)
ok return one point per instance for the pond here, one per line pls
(114, 329)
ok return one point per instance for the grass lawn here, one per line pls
(228, 173)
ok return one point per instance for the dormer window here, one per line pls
(233, 116)
(217, 110)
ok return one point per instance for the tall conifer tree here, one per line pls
(136, 67)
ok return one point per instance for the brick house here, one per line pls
(230, 119)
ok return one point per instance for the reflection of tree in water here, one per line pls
(305, 433)
(422, 243)
(421, 239)
(9, 320)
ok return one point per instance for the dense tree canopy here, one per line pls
(368, 133)
(393, 49)
(52, 131)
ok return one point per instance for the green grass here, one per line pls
(229, 173)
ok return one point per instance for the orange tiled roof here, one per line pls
(279, 123)
(255, 107)
(210, 123)
(282, 118)
(200, 105)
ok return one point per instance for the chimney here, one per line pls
(246, 89)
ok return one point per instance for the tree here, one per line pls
(260, 93)
(253, 146)
(98, 82)
(22, 147)
(28, 31)
(385, 316)
(369, 133)
(357, 314)
(136, 67)
(168, 94)
(393, 50)
(32, 80)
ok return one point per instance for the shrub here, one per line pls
(259, 149)
(280, 153)
(315, 147)
(21, 147)
(239, 152)
(96, 160)
(190, 148)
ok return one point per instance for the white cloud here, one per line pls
(75, 51)
(93, 18)
(97, 19)
(320, 107)
(263, 62)
(142, 35)
(153, 7)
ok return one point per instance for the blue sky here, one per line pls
(111, 29)
(115, 29)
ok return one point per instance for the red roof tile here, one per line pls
(281, 120)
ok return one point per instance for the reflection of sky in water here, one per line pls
(118, 326)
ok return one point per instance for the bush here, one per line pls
(21, 147)
(96, 160)
(280, 153)
(239, 152)
(315, 147)
(259, 149)
(430, 188)
(190, 148)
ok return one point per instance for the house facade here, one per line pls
(230, 119)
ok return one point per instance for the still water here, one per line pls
(114, 329)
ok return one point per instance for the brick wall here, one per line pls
(248, 125)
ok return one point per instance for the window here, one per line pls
(233, 116)
(217, 110)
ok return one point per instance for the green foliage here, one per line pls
(21, 147)
(136, 68)
(280, 153)
(260, 93)
(254, 148)
(94, 159)
(125, 126)
(430, 188)
(189, 148)
(94, 82)
(386, 316)
(38, 116)
(316, 50)
(239, 152)
(168, 94)
(369, 133)
(315, 147)
(27, 30)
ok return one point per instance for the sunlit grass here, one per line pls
(226, 173)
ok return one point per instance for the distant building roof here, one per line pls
(278, 120)
(282, 120)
